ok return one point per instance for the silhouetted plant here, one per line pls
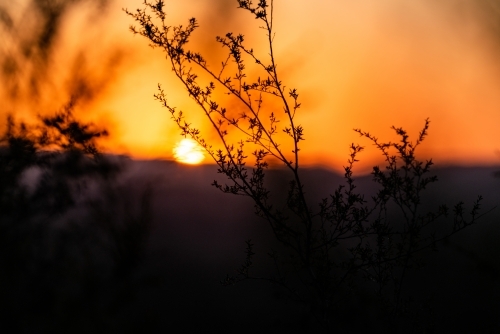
(352, 239)
(67, 239)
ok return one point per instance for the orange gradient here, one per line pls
(368, 64)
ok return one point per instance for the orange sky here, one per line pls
(367, 64)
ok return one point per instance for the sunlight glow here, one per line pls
(189, 152)
(374, 64)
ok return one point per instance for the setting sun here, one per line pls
(189, 152)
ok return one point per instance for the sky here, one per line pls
(367, 64)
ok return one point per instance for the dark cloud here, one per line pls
(5, 19)
(480, 18)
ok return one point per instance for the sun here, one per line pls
(188, 151)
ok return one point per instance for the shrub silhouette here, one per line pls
(354, 243)
(66, 254)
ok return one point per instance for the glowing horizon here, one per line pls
(369, 65)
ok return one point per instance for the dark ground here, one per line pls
(197, 236)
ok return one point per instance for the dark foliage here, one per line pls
(66, 250)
